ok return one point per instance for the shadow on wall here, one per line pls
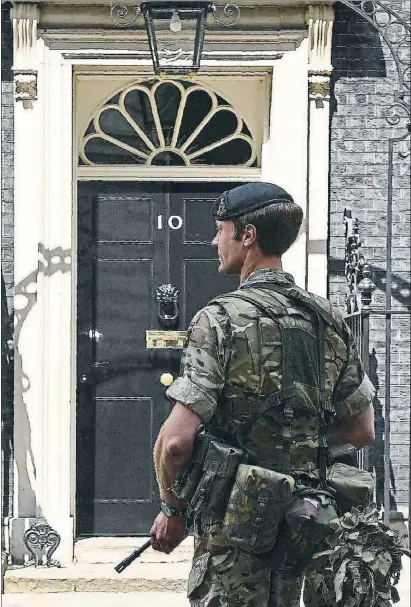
(51, 262)
(376, 451)
(356, 50)
(400, 288)
(7, 403)
(401, 294)
(6, 43)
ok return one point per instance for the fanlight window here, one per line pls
(167, 123)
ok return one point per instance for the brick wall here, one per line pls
(7, 278)
(364, 81)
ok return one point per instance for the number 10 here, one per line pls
(174, 222)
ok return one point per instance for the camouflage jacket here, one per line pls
(233, 359)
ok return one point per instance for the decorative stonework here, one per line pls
(25, 18)
(320, 19)
(42, 541)
(25, 85)
(319, 89)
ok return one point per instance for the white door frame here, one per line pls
(45, 273)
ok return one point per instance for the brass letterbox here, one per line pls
(165, 339)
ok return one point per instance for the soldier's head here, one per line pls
(258, 220)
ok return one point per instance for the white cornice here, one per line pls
(98, 16)
(142, 173)
(65, 24)
(245, 4)
(226, 45)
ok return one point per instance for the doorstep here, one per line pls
(93, 570)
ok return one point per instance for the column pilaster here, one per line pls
(320, 20)
(25, 19)
(43, 303)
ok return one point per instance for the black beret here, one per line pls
(246, 198)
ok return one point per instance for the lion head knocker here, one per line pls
(167, 306)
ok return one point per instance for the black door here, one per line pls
(132, 238)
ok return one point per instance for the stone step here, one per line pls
(97, 599)
(113, 550)
(158, 576)
(155, 581)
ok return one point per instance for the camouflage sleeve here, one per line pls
(203, 363)
(354, 391)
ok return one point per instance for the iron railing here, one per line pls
(378, 328)
(374, 329)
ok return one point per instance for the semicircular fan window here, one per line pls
(167, 123)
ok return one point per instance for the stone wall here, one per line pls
(364, 82)
(7, 278)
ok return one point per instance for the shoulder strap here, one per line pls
(253, 298)
(303, 297)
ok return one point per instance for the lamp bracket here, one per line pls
(126, 16)
(231, 13)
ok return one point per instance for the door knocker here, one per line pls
(167, 306)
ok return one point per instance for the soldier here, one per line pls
(235, 355)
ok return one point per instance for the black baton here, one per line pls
(133, 556)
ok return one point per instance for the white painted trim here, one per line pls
(318, 195)
(43, 246)
(126, 68)
(284, 159)
(143, 173)
(58, 323)
(320, 20)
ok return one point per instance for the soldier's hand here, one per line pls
(167, 532)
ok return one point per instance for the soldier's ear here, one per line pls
(250, 236)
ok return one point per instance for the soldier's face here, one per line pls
(231, 253)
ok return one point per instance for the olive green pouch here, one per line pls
(256, 508)
(354, 487)
(219, 470)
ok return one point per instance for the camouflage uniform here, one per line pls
(232, 358)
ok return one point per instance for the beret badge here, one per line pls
(221, 208)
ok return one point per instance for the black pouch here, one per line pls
(353, 487)
(343, 454)
(188, 478)
(219, 470)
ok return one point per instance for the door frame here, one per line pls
(45, 263)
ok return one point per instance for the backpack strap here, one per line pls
(286, 395)
(303, 297)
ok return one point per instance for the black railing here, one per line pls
(379, 334)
